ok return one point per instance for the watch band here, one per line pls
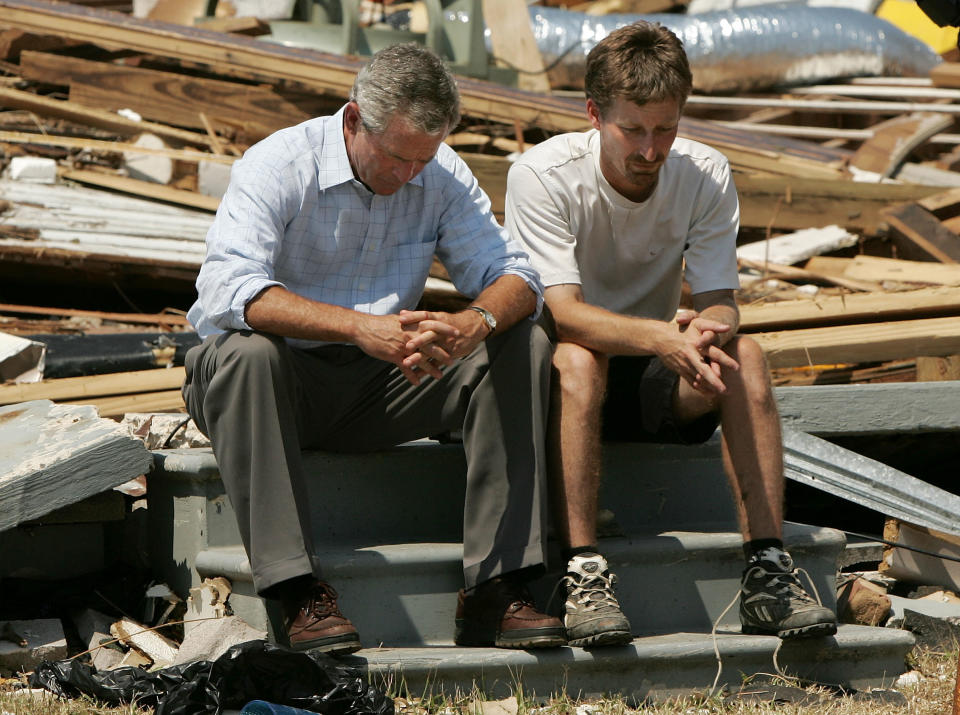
(488, 317)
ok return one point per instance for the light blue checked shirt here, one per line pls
(295, 216)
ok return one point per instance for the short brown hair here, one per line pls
(642, 62)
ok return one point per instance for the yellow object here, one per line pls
(906, 15)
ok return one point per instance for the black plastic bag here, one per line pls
(255, 670)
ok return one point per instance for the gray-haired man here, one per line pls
(307, 302)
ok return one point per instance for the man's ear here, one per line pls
(593, 113)
(351, 117)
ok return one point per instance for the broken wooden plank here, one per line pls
(822, 311)
(89, 386)
(18, 99)
(861, 343)
(946, 74)
(108, 146)
(166, 96)
(894, 139)
(920, 236)
(513, 43)
(875, 268)
(142, 188)
(793, 273)
(163, 319)
(120, 405)
(158, 648)
(55, 455)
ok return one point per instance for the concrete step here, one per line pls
(405, 594)
(414, 493)
(653, 667)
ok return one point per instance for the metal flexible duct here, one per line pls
(747, 48)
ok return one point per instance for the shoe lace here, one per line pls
(786, 584)
(322, 601)
(517, 594)
(592, 592)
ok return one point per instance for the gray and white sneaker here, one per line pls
(592, 615)
(773, 602)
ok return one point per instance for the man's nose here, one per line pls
(406, 171)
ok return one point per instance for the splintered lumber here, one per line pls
(822, 311)
(877, 342)
(926, 566)
(242, 56)
(795, 203)
(894, 139)
(148, 318)
(142, 188)
(774, 270)
(875, 268)
(17, 99)
(158, 648)
(120, 405)
(108, 146)
(795, 247)
(165, 96)
(919, 235)
(92, 386)
(52, 456)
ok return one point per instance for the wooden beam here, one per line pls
(946, 74)
(823, 311)
(513, 43)
(893, 141)
(142, 188)
(17, 99)
(166, 96)
(773, 270)
(147, 318)
(919, 235)
(861, 343)
(119, 405)
(820, 106)
(874, 268)
(101, 145)
(81, 388)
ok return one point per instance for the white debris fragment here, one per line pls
(36, 169)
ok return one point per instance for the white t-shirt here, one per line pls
(627, 257)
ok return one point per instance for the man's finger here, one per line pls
(409, 317)
(719, 356)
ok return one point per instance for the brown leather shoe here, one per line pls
(501, 613)
(314, 622)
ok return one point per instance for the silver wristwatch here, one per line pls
(488, 317)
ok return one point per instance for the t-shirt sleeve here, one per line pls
(710, 254)
(534, 218)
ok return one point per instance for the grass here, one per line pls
(932, 694)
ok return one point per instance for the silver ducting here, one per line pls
(747, 48)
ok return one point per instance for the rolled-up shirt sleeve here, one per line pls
(243, 244)
(472, 246)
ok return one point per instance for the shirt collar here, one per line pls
(333, 155)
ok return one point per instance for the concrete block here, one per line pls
(212, 178)
(208, 640)
(44, 640)
(149, 167)
(93, 627)
(36, 169)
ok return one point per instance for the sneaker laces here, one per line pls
(592, 592)
(786, 584)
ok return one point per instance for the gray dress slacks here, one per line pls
(261, 402)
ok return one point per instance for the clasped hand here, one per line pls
(419, 342)
(695, 353)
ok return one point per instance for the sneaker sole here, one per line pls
(816, 630)
(607, 638)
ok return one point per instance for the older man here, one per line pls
(308, 305)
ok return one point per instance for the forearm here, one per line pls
(720, 306)
(610, 333)
(510, 300)
(278, 311)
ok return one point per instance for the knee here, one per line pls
(754, 374)
(579, 372)
(247, 348)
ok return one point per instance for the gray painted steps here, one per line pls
(405, 594)
(650, 667)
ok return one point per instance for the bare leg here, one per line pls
(579, 382)
(752, 442)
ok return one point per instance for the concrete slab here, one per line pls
(55, 455)
(654, 667)
(44, 640)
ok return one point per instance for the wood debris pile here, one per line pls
(139, 122)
